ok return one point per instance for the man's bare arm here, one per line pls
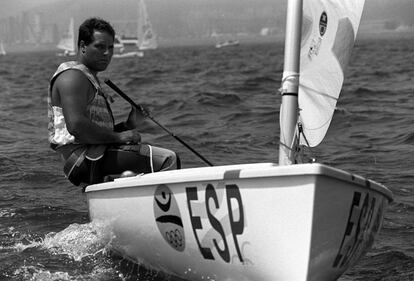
(75, 91)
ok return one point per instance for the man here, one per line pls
(81, 125)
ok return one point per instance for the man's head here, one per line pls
(96, 43)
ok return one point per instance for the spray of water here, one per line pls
(79, 240)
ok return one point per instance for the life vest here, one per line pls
(98, 109)
(60, 139)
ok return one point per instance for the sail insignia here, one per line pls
(323, 23)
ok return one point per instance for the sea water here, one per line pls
(225, 104)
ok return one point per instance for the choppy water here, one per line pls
(224, 103)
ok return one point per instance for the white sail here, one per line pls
(328, 34)
(2, 50)
(67, 43)
(147, 39)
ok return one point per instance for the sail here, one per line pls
(146, 37)
(67, 43)
(329, 30)
(2, 50)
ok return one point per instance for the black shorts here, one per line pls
(138, 158)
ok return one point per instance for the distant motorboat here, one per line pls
(227, 43)
(128, 40)
(120, 47)
(138, 54)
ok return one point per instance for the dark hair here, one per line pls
(87, 28)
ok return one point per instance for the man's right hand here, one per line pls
(130, 136)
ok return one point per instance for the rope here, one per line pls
(300, 129)
(284, 145)
(297, 149)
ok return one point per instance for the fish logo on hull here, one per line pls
(168, 217)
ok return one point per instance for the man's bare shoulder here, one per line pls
(71, 79)
(72, 85)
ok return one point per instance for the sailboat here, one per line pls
(67, 43)
(2, 50)
(260, 221)
(145, 40)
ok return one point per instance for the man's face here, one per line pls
(98, 53)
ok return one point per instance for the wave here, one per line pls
(216, 99)
(378, 267)
(409, 139)
(260, 80)
(136, 82)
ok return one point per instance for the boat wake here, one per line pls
(84, 247)
(79, 240)
(85, 251)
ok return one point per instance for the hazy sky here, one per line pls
(169, 17)
(10, 7)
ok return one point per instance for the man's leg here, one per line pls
(138, 159)
(161, 159)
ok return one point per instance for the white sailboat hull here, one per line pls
(242, 222)
(227, 43)
(132, 54)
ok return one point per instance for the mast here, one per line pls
(290, 82)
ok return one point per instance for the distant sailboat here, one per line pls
(2, 50)
(67, 43)
(147, 39)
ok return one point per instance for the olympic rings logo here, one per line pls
(175, 238)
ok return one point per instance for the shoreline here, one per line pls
(188, 42)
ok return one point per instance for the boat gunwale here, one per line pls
(246, 171)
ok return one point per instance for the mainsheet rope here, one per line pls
(298, 150)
